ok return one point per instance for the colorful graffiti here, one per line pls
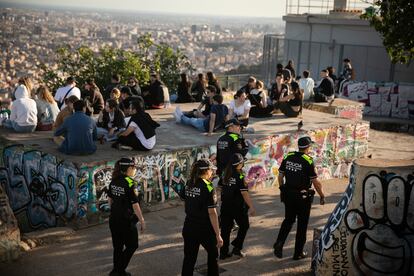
(371, 230)
(382, 99)
(45, 192)
(40, 189)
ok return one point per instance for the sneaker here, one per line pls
(300, 256)
(238, 252)
(225, 256)
(178, 114)
(126, 147)
(278, 250)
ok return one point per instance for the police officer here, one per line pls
(201, 222)
(236, 205)
(125, 213)
(298, 169)
(230, 143)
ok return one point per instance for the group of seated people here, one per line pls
(79, 118)
(251, 100)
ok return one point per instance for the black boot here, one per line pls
(300, 256)
(278, 249)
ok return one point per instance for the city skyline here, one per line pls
(260, 8)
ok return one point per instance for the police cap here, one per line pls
(304, 142)
(237, 159)
(204, 164)
(126, 161)
(232, 122)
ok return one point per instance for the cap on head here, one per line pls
(205, 164)
(304, 142)
(232, 122)
(126, 161)
(237, 159)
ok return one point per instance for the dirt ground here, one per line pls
(89, 251)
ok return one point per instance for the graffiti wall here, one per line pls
(371, 230)
(382, 99)
(46, 192)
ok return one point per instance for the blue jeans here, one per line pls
(17, 127)
(105, 133)
(198, 123)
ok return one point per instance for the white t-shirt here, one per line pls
(239, 110)
(61, 92)
(148, 143)
(307, 84)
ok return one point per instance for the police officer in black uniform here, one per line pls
(201, 222)
(236, 205)
(298, 169)
(230, 143)
(125, 213)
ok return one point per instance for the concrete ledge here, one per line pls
(74, 186)
(340, 107)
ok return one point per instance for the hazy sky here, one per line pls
(258, 8)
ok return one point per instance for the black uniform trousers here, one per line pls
(227, 222)
(124, 234)
(295, 206)
(193, 237)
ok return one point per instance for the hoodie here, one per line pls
(24, 110)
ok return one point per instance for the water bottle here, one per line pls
(1, 118)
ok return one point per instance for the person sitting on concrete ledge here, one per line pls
(79, 131)
(206, 102)
(215, 121)
(126, 99)
(110, 121)
(156, 95)
(291, 105)
(47, 109)
(239, 108)
(258, 99)
(325, 90)
(140, 130)
(23, 116)
(63, 114)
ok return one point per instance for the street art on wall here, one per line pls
(40, 189)
(382, 99)
(370, 232)
(45, 192)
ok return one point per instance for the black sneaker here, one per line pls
(238, 252)
(225, 256)
(300, 256)
(278, 250)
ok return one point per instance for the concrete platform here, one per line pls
(47, 188)
(341, 107)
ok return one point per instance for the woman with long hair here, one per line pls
(198, 91)
(236, 205)
(239, 108)
(110, 121)
(201, 226)
(47, 108)
(291, 105)
(184, 90)
(258, 99)
(212, 80)
(125, 214)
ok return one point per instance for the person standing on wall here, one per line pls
(236, 205)
(201, 224)
(125, 213)
(298, 170)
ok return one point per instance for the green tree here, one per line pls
(393, 19)
(84, 63)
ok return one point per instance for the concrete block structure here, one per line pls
(46, 188)
(371, 230)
